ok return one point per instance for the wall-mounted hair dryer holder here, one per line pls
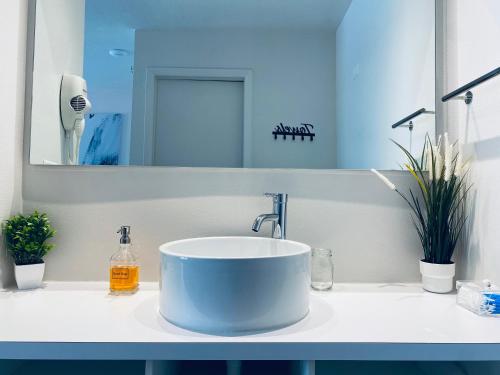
(74, 104)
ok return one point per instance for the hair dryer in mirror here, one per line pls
(74, 104)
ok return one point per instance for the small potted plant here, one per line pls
(438, 208)
(25, 238)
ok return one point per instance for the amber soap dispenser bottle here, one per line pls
(124, 268)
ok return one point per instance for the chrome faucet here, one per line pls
(277, 218)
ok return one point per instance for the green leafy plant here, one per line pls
(26, 236)
(438, 208)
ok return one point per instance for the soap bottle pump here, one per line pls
(124, 268)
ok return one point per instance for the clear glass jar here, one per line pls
(321, 269)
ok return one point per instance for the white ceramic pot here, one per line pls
(437, 278)
(29, 276)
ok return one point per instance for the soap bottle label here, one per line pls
(120, 273)
(124, 278)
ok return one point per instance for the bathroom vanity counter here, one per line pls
(352, 322)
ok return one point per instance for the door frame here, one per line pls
(155, 74)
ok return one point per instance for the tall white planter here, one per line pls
(29, 276)
(437, 278)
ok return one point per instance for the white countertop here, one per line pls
(354, 321)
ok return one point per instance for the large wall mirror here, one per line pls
(220, 83)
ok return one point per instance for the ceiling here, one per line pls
(164, 14)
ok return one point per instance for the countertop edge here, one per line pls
(250, 351)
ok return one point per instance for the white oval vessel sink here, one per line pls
(234, 285)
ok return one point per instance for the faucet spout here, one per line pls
(277, 218)
(263, 218)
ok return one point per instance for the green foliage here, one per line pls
(439, 210)
(25, 237)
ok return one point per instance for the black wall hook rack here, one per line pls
(402, 122)
(466, 88)
(302, 131)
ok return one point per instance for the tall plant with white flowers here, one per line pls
(439, 210)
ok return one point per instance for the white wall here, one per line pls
(367, 226)
(293, 82)
(472, 50)
(385, 71)
(58, 50)
(12, 68)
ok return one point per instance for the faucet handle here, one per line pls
(279, 197)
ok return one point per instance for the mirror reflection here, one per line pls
(219, 83)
